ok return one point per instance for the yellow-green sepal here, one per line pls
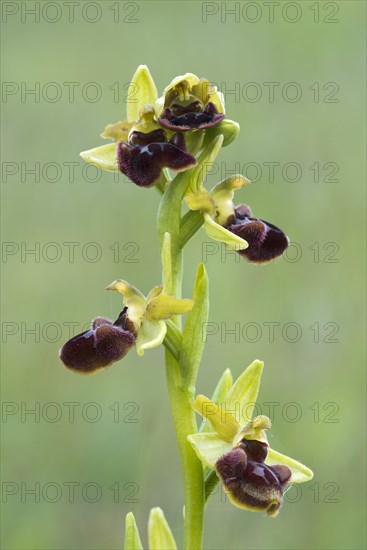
(244, 392)
(209, 447)
(159, 533)
(221, 234)
(132, 537)
(300, 472)
(142, 91)
(104, 157)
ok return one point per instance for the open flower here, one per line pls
(254, 239)
(190, 103)
(254, 476)
(140, 148)
(103, 344)
(148, 152)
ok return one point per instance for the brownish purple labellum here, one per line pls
(143, 158)
(250, 483)
(103, 344)
(266, 241)
(190, 117)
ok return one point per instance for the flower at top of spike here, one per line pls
(190, 103)
(233, 444)
(141, 148)
(148, 151)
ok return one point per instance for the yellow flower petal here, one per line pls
(209, 447)
(223, 422)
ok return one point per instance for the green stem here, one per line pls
(181, 394)
(185, 424)
(190, 224)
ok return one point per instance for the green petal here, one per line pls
(255, 429)
(118, 131)
(223, 194)
(243, 394)
(104, 157)
(300, 472)
(221, 390)
(193, 340)
(164, 307)
(219, 233)
(151, 334)
(142, 91)
(159, 534)
(201, 200)
(132, 538)
(209, 448)
(223, 422)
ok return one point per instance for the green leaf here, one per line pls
(159, 534)
(104, 157)
(221, 390)
(193, 334)
(219, 233)
(132, 538)
(209, 448)
(142, 91)
(243, 394)
(300, 472)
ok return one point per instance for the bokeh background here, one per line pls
(117, 453)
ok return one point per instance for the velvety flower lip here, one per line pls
(266, 241)
(103, 344)
(191, 117)
(190, 103)
(146, 154)
(249, 482)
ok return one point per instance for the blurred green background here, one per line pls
(119, 448)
